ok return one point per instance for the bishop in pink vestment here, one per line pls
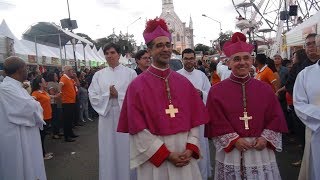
(162, 112)
(244, 150)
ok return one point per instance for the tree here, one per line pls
(87, 37)
(125, 42)
(201, 47)
(224, 37)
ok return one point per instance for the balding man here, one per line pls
(20, 144)
(68, 96)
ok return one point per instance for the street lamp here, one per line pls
(213, 20)
(219, 25)
(131, 24)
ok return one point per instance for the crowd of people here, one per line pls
(155, 123)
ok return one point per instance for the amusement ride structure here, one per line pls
(266, 21)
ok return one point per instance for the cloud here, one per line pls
(6, 6)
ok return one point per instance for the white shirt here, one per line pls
(223, 71)
(199, 80)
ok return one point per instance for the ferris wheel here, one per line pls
(267, 20)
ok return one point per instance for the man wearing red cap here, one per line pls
(162, 112)
(246, 120)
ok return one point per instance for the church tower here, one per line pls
(167, 5)
(182, 36)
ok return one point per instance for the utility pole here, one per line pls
(73, 41)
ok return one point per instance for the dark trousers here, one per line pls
(56, 121)
(92, 112)
(68, 114)
(77, 113)
(299, 129)
(43, 134)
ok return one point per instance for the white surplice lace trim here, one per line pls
(230, 172)
(223, 141)
(274, 138)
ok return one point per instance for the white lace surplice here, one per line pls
(258, 165)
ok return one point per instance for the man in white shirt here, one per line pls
(21, 117)
(106, 93)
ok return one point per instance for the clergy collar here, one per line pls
(115, 68)
(239, 79)
(159, 68)
(263, 68)
(188, 71)
(13, 81)
(160, 72)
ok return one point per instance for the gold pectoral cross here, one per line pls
(245, 118)
(172, 111)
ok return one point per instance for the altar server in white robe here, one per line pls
(306, 101)
(106, 93)
(21, 117)
(201, 82)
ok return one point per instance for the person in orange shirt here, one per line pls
(68, 97)
(38, 93)
(265, 73)
(214, 76)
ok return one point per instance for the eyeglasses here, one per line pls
(162, 45)
(238, 58)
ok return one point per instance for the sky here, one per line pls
(98, 18)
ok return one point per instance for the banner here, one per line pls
(54, 61)
(43, 60)
(32, 59)
(308, 30)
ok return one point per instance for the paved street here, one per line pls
(79, 160)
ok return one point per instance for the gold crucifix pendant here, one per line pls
(245, 118)
(172, 111)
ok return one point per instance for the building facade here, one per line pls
(182, 36)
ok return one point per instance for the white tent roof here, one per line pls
(44, 31)
(123, 60)
(5, 30)
(42, 49)
(296, 36)
(19, 48)
(69, 51)
(79, 49)
(95, 51)
(89, 54)
(97, 57)
(100, 52)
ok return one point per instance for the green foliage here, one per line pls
(86, 37)
(125, 42)
(201, 47)
(224, 37)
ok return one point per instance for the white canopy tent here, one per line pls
(123, 60)
(19, 47)
(95, 51)
(296, 36)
